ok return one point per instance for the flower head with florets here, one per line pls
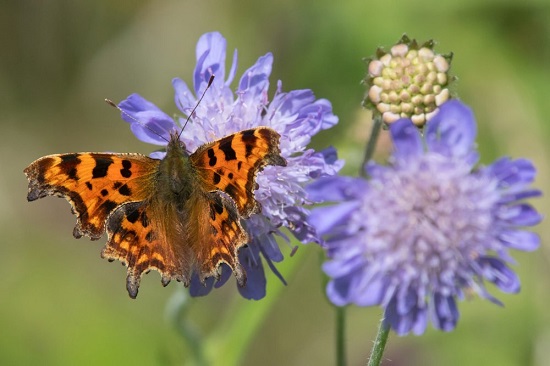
(295, 115)
(427, 228)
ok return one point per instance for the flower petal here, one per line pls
(183, 97)
(445, 313)
(252, 93)
(210, 61)
(197, 288)
(298, 116)
(255, 288)
(495, 271)
(338, 290)
(521, 240)
(520, 215)
(324, 219)
(255, 80)
(147, 121)
(373, 294)
(336, 188)
(406, 140)
(452, 130)
(402, 324)
(513, 172)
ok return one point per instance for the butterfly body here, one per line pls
(179, 215)
(175, 175)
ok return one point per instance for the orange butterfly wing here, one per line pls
(135, 239)
(230, 164)
(111, 193)
(94, 183)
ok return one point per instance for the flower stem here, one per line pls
(371, 144)
(340, 335)
(228, 344)
(177, 310)
(383, 330)
(379, 344)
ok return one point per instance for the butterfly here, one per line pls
(179, 215)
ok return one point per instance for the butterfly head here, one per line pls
(175, 145)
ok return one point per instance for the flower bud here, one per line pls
(409, 81)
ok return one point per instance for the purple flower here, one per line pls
(427, 228)
(296, 115)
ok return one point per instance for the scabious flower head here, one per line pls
(428, 227)
(295, 115)
(410, 81)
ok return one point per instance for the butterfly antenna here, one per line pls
(112, 104)
(199, 102)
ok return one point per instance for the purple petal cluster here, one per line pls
(429, 227)
(296, 115)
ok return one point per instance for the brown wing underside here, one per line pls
(231, 164)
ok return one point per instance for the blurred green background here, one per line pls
(61, 304)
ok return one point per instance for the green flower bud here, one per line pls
(410, 81)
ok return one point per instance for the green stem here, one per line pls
(341, 311)
(340, 321)
(193, 340)
(371, 144)
(177, 311)
(379, 344)
(236, 330)
(340, 335)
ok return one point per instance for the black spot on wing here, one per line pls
(217, 178)
(213, 230)
(101, 166)
(144, 219)
(216, 206)
(231, 190)
(70, 159)
(212, 212)
(125, 190)
(72, 174)
(249, 148)
(248, 134)
(150, 236)
(227, 149)
(226, 227)
(126, 166)
(212, 157)
(68, 165)
(128, 211)
(250, 140)
(132, 216)
(107, 206)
